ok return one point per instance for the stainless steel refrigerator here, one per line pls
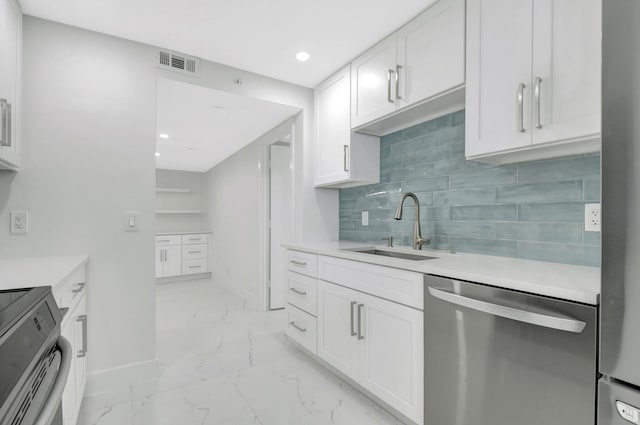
(619, 387)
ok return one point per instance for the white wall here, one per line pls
(194, 200)
(88, 145)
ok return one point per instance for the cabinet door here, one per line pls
(567, 60)
(159, 261)
(373, 83)
(69, 397)
(337, 344)
(10, 45)
(333, 127)
(431, 52)
(499, 59)
(80, 346)
(392, 361)
(172, 260)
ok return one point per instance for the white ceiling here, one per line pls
(205, 126)
(261, 36)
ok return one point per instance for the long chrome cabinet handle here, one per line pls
(389, 72)
(297, 291)
(83, 318)
(547, 320)
(520, 99)
(293, 324)
(537, 94)
(346, 149)
(298, 263)
(353, 320)
(398, 68)
(3, 122)
(360, 331)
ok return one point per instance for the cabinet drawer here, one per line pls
(193, 252)
(301, 327)
(194, 239)
(301, 262)
(194, 266)
(302, 292)
(168, 240)
(71, 289)
(397, 285)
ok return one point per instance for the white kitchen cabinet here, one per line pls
(533, 79)
(69, 399)
(178, 255)
(10, 82)
(343, 158)
(421, 62)
(376, 342)
(337, 334)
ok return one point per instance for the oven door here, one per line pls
(39, 400)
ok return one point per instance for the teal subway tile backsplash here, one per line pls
(532, 210)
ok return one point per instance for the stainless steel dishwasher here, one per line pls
(501, 357)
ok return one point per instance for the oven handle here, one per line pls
(548, 320)
(50, 407)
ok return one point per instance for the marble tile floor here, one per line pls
(221, 364)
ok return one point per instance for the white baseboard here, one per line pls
(117, 379)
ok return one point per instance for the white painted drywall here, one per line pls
(88, 155)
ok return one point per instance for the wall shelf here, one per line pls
(178, 212)
(171, 190)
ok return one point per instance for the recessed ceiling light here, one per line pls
(163, 135)
(157, 153)
(303, 56)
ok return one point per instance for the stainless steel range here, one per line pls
(34, 358)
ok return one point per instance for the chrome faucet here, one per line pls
(418, 240)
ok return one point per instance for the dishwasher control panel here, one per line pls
(628, 412)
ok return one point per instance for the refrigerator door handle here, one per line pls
(546, 319)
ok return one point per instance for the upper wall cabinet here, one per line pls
(533, 79)
(10, 82)
(420, 62)
(343, 158)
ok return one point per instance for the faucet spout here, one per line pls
(418, 240)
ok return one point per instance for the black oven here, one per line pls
(34, 358)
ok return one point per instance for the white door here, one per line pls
(280, 218)
(80, 331)
(333, 127)
(567, 63)
(159, 261)
(10, 36)
(172, 260)
(431, 52)
(499, 59)
(337, 333)
(392, 355)
(69, 398)
(373, 79)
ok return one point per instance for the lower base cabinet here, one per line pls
(376, 342)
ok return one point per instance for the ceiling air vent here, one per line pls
(178, 62)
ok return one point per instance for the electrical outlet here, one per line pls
(592, 217)
(365, 218)
(19, 222)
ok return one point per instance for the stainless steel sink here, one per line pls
(394, 254)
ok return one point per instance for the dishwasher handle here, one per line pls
(547, 319)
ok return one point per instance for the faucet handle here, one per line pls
(389, 241)
(422, 241)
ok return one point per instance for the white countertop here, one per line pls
(564, 281)
(184, 233)
(37, 271)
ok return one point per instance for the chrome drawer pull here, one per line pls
(195, 252)
(83, 352)
(353, 332)
(79, 288)
(360, 331)
(194, 267)
(298, 263)
(293, 324)
(520, 111)
(297, 291)
(536, 91)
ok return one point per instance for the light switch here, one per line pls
(365, 218)
(131, 221)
